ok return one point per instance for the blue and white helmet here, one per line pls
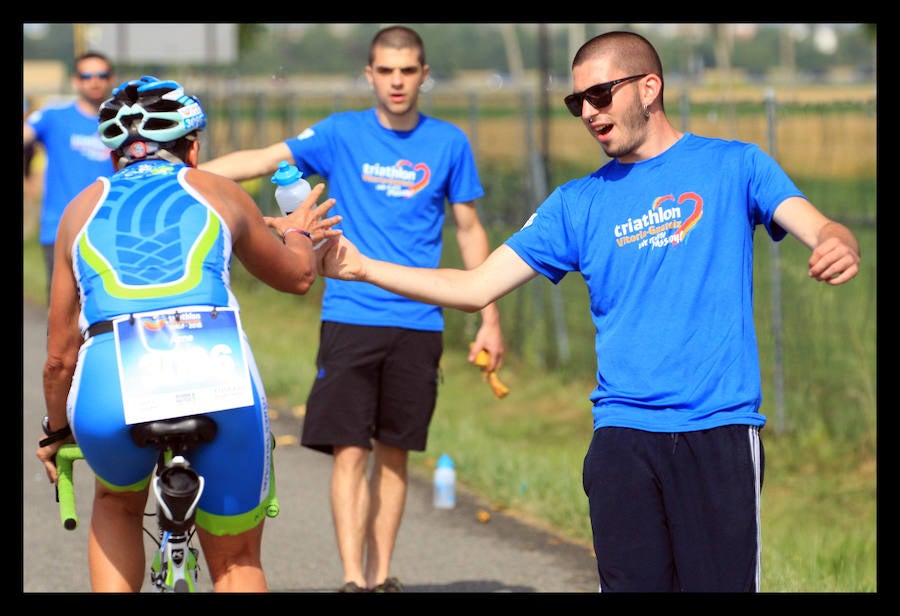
(149, 110)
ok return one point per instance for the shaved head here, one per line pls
(628, 52)
(397, 37)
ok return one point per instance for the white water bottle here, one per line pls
(444, 483)
(290, 189)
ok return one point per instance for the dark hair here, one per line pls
(397, 37)
(89, 55)
(629, 52)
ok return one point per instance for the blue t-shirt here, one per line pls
(665, 247)
(75, 157)
(392, 188)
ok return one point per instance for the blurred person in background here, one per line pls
(392, 170)
(31, 192)
(73, 152)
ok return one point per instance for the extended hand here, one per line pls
(339, 258)
(834, 261)
(309, 217)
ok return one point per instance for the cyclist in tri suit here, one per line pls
(136, 332)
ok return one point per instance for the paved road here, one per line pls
(438, 551)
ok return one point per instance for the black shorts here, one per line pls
(676, 511)
(372, 383)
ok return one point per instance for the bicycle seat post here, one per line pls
(177, 488)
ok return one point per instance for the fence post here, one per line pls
(778, 368)
(473, 120)
(539, 192)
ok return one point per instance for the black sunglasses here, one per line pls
(86, 76)
(599, 95)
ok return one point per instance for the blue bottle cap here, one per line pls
(286, 174)
(445, 461)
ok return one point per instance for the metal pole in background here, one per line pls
(778, 368)
(539, 192)
(544, 101)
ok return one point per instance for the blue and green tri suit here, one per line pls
(154, 243)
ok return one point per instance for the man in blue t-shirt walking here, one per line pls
(392, 170)
(74, 154)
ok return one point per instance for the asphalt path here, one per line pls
(437, 551)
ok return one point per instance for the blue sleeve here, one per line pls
(465, 184)
(313, 150)
(769, 186)
(37, 121)
(543, 242)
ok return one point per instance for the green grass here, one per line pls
(523, 454)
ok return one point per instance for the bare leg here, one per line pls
(116, 542)
(234, 561)
(388, 493)
(349, 508)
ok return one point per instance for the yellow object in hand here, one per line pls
(482, 360)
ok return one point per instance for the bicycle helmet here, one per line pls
(148, 110)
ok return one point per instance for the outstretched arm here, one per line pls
(243, 165)
(467, 290)
(835, 250)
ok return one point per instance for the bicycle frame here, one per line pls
(170, 571)
(176, 487)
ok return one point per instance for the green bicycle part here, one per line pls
(171, 584)
(65, 490)
(272, 506)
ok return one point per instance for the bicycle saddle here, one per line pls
(190, 429)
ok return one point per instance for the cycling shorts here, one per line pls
(236, 465)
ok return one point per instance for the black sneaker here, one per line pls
(352, 587)
(391, 584)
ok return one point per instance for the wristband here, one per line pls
(52, 436)
(295, 230)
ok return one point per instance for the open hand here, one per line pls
(309, 217)
(339, 258)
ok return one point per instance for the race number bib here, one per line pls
(177, 363)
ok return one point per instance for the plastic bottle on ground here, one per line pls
(445, 483)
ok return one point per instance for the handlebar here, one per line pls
(65, 490)
(273, 508)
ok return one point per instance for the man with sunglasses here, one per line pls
(74, 154)
(663, 237)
